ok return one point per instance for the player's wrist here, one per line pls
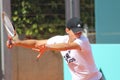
(16, 42)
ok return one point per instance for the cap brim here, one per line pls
(75, 30)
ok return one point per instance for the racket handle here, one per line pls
(10, 42)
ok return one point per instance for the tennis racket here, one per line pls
(9, 27)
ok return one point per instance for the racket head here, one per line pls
(8, 25)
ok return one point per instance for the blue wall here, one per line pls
(107, 57)
(107, 19)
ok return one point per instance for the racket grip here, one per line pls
(9, 42)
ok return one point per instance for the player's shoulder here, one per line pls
(58, 39)
(82, 40)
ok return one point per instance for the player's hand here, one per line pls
(11, 40)
(41, 49)
(9, 43)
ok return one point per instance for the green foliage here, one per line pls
(45, 18)
(39, 18)
(87, 12)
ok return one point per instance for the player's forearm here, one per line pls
(29, 43)
(25, 43)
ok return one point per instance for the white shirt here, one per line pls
(80, 62)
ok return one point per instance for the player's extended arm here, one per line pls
(28, 43)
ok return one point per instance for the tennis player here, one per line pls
(74, 47)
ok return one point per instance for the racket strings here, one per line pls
(8, 25)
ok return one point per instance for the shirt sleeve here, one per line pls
(82, 42)
(56, 39)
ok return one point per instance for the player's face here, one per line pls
(72, 34)
(78, 34)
